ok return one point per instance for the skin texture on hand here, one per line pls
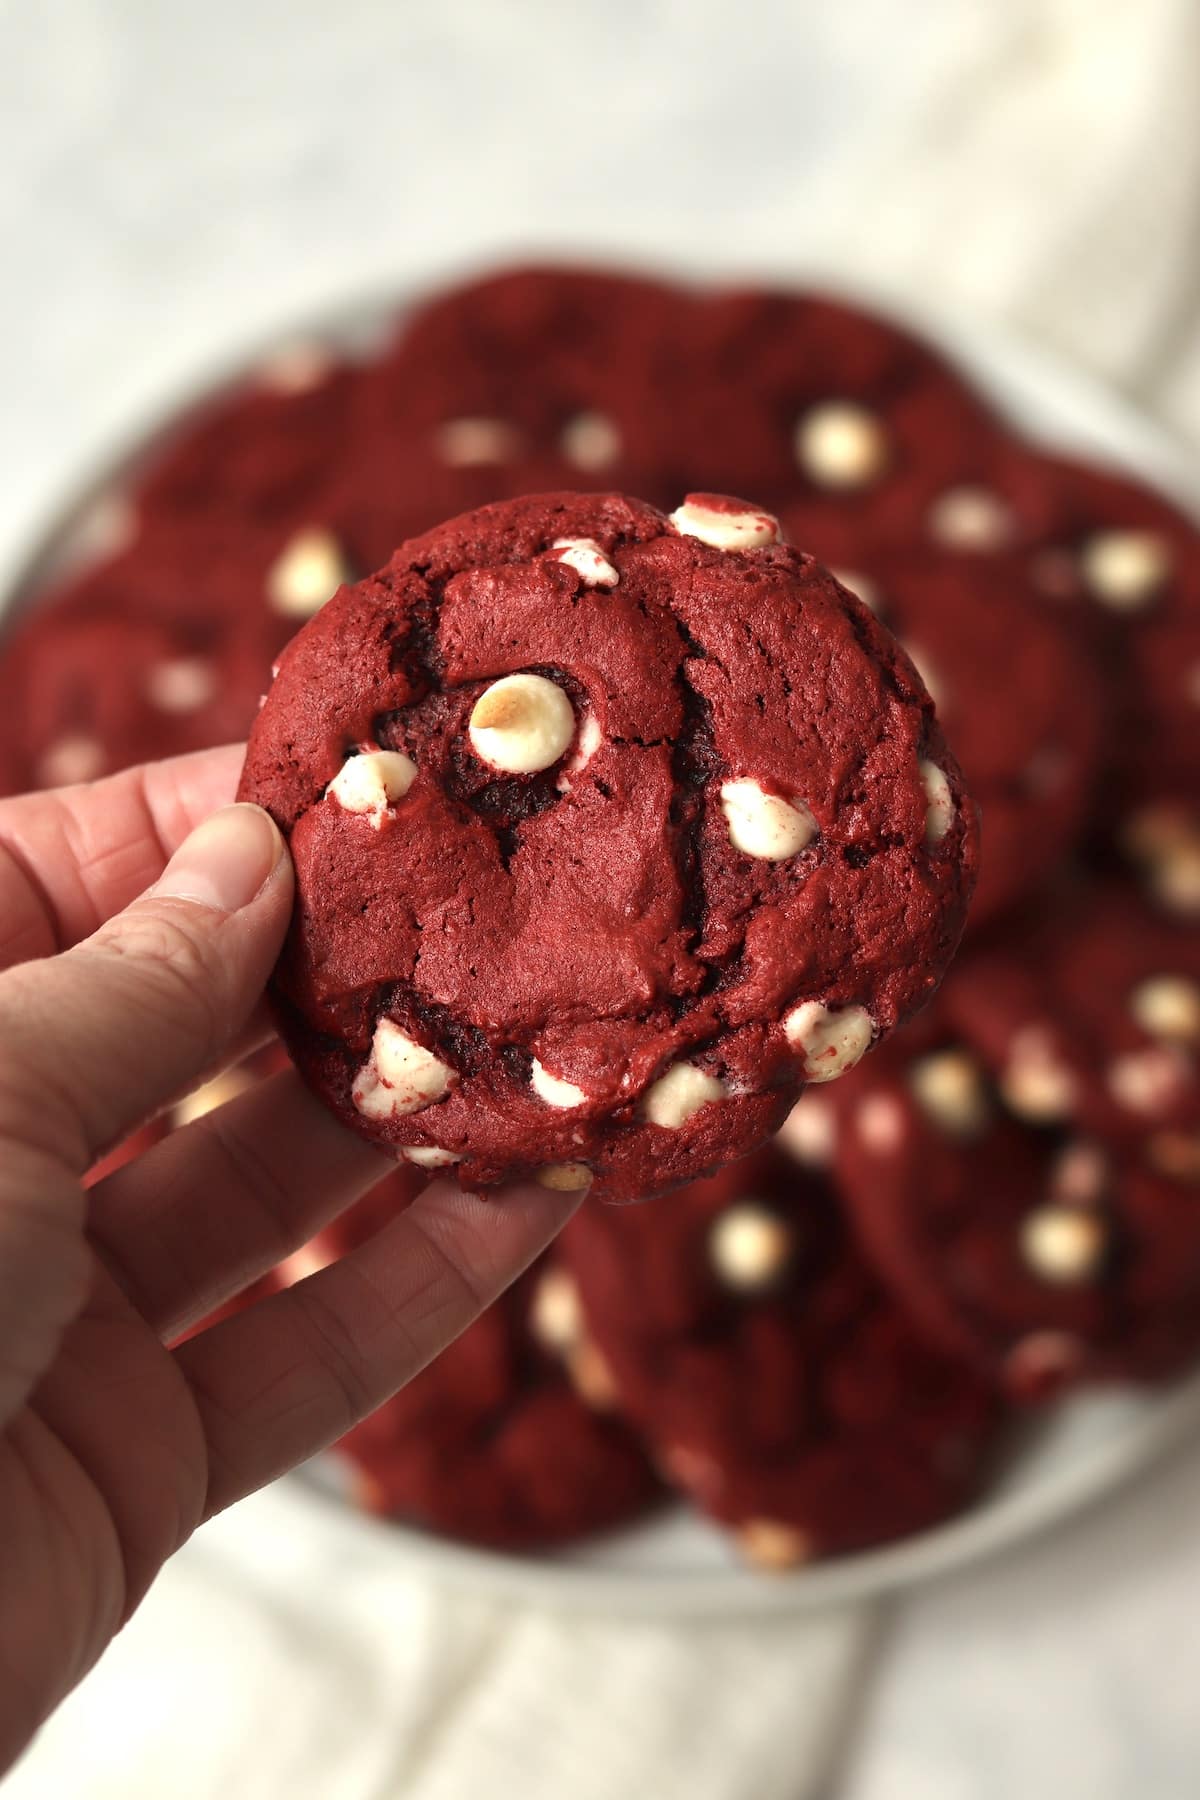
(138, 925)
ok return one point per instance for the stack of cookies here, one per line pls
(820, 1345)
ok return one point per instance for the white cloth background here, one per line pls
(179, 180)
(277, 1659)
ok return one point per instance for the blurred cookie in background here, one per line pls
(262, 449)
(777, 1384)
(1128, 559)
(164, 647)
(801, 397)
(577, 370)
(1018, 689)
(491, 1443)
(1031, 1219)
(1087, 1013)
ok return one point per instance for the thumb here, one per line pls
(96, 1039)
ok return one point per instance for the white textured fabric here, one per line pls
(177, 180)
(1066, 1674)
(279, 1656)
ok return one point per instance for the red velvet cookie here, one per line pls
(1089, 1015)
(162, 648)
(1116, 564)
(524, 381)
(1159, 839)
(1128, 561)
(995, 496)
(1031, 741)
(1044, 1256)
(997, 499)
(395, 490)
(609, 830)
(263, 449)
(491, 1443)
(575, 371)
(86, 695)
(802, 396)
(221, 576)
(778, 1385)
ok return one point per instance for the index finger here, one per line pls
(72, 857)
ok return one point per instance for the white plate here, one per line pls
(675, 1565)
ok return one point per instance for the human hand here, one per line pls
(113, 1448)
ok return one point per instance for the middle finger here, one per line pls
(220, 1202)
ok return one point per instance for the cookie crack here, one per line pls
(693, 761)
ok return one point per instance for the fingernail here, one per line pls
(225, 861)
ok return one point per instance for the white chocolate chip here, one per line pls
(371, 782)
(949, 1086)
(307, 572)
(553, 1090)
(1154, 831)
(861, 586)
(939, 802)
(429, 1156)
(971, 519)
(879, 1121)
(1124, 569)
(211, 1094)
(588, 560)
(400, 1076)
(830, 1040)
(1166, 840)
(590, 739)
(1063, 1244)
(472, 443)
(1175, 1154)
(591, 441)
(750, 1246)
(723, 526)
(1150, 1081)
(682, 1465)
(1080, 1174)
(521, 724)
(555, 1314)
(1035, 1085)
(565, 1177)
(1039, 1363)
(840, 444)
(1168, 1006)
(765, 825)
(1175, 879)
(71, 759)
(770, 1545)
(182, 684)
(591, 1377)
(295, 368)
(809, 1133)
(679, 1094)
